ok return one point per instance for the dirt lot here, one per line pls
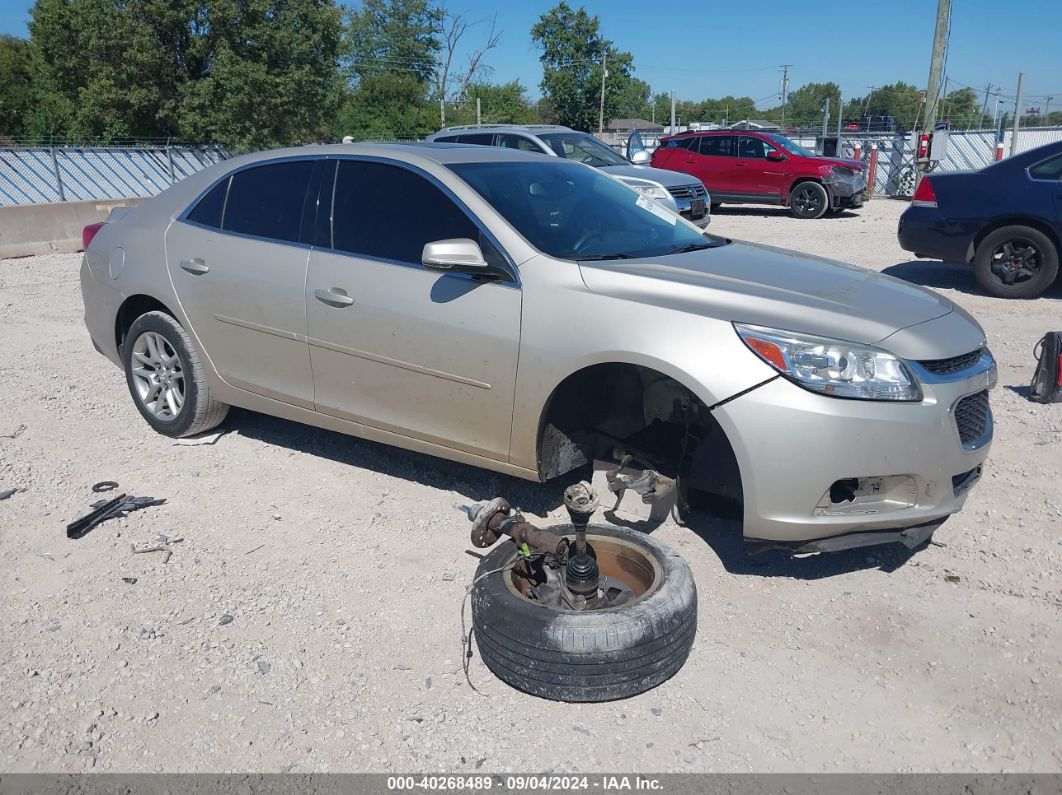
(342, 566)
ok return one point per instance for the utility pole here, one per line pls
(442, 112)
(672, 131)
(1017, 115)
(1047, 111)
(601, 112)
(840, 105)
(479, 113)
(825, 117)
(652, 104)
(936, 64)
(785, 90)
(984, 107)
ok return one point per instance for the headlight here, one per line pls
(832, 367)
(654, 192)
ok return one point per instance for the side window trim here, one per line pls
(513, 271)
(1029, 170)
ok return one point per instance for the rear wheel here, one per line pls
(166, 378)
(1016, 262)
(809, 200)
(545, 648)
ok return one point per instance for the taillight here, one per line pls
(925, 196)
(89, 232)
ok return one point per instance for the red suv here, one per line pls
(764, 168)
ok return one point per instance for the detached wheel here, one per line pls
(1016, 262)
(809, 200)
(560, 653)
(166, 378)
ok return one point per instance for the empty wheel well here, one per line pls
(642, 412)
(133, 307)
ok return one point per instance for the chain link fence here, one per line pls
(40, 174)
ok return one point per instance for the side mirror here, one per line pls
(775, 155)
(641, 158)
(460, 254)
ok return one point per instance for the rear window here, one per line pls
(208, 210)
(267, 201)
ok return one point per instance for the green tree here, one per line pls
(500, 103)
(15, 85)
(244, 73)
(393, 36)
(573, 52)
(805, 105)
(387, 106)
(633, 100)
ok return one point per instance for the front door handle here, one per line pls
(196, 266)
(335, 296)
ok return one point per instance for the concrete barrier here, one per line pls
(45, 228)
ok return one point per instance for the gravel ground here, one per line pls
(310, 618)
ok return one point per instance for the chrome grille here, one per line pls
(973, 418)
(953, 365)
(688, 191)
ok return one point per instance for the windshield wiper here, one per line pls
(596, 257)
(690, 247)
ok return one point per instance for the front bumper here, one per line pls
(848, 193)
(905, 462)
(694, 208)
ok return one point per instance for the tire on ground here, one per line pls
(1030, 288)
(821, 205)
(595, 655)
(200, 411)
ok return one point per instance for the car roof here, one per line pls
(533, 129)
(441, 153)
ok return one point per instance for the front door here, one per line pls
(767, 178)
(398, 346)
(237, 262)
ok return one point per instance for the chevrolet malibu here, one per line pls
(528, 315)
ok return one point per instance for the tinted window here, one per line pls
(683, 143)
(510, 141)
(208, 210)
(1047, 169)
(482, 139)
(388, 212)
(267, 201)
(717, 145)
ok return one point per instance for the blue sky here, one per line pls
(735, 46)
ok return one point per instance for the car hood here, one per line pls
(765, 286)
(669, 179)
(844, 162)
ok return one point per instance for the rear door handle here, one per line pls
(335, 296)
(196, 266)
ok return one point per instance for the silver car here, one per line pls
(528, 315)
(680, 193)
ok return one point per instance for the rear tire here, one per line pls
(166, 378)
(809, 200)
(1016, 262)
(592, 655)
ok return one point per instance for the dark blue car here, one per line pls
(1006, 219)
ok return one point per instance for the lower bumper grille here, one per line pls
(973, 418)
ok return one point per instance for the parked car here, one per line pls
(1005, 219)
(533, 314)
(750, 167)
(678, 192)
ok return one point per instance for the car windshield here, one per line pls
(790, 147)
(583, 148)
(577, 213)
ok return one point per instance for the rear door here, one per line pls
(237, 262)
(395, 345)
(713, 162)
(1046, 179)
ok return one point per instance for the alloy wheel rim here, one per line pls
(158, 376)
(807, 201)
(1016, 260)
